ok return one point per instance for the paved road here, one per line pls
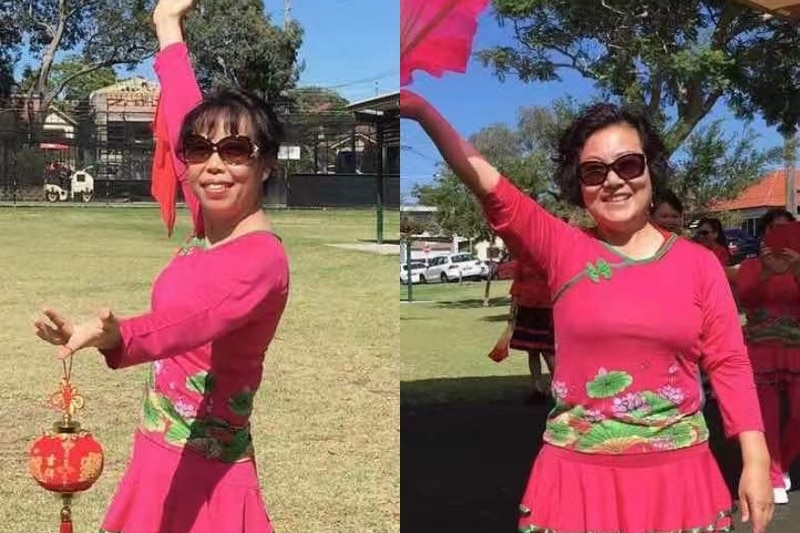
(464, 464)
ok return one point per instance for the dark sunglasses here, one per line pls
(703, 232)
(233, 150)
(627, 167)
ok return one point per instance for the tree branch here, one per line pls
(47, 27)
(654, 105)
(50, 52)
(576, 63)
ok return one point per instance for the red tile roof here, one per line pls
(769, 191)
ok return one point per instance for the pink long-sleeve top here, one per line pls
(630, 335)
(771, 305)
(214, 312)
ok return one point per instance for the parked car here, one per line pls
(741, 245)
(455, 267)
(417, 272)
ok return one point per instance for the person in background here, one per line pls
(711, 235)
(769, 294)
(532, 318)
(667, 212)
(776, 216)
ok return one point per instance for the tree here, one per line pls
(103, 34)
(523, 154)
(316, 117)
(680, 57)
(317, 100)
(770, 86)
(713, 167)
(235, 44)
(10, 37)
(79, 88)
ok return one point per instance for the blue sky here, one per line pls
(476, 99)
(348, 45)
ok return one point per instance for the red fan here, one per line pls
(436, 35)
(783, 236)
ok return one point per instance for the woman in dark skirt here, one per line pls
(532, 322)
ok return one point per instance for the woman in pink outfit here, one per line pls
(626, 445)
(215, 309)
(711, 235)
(769, 294)
(533, 324)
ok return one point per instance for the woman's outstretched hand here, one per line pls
(54, 328)
(168, 17)
(101, 332)
(172, 9)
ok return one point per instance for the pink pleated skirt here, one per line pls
(173, 490)
(665, 492)
(773, 363)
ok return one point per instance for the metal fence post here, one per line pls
(409, 281)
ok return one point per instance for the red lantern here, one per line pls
(66, 460)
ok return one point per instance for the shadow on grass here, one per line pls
(473, 303)
(496, 318)
(385, 241)
(467, 447)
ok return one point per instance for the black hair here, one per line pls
(716, 225)
(771, 216)
(236, 108)
(668, 197)
(594, 119)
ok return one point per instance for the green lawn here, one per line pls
(446, 334)
(326, 421)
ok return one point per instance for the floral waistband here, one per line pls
(211, 437)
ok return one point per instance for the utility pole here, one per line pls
(287, 14)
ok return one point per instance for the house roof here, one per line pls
(384, 102)
(788, 9)
(769, 191)
(136, 84)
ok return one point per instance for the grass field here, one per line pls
(326, 422)
(447, 333)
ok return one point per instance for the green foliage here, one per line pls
(10, 37)
(235, 44)
(317, 100)
(713, 166)
(523, 154)
(674, 59)
(78, 88)
(94, 34)
(29, 166)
